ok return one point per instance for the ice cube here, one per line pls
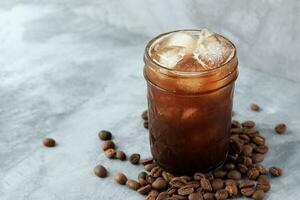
(188, 113)
(189, 64)
(169, 56)
(181, 40)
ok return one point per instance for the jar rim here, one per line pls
(184, 73)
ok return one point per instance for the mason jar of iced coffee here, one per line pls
(190, 79)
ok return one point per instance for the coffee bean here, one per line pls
(132, 184)
(120, 178)
(142, 175)
(251, 132)
(258, 195)
(258, 157)
(146, 161)
(195, 196)
(110, 153)
(167, 176)
(144, 115)
(236, 130)
(232, 190)
(105, 135)
(275, 171)
(246, 184)
(150, 197)
(149, 167)
(209, 196)
(134, 158)
(235, 124)
(176, 197)
(194, 184)
(162, 196)
(234, 174)
(142, 181)
(100, 171)
(254, 107)
(49, 142)
(108, 145)
(258, 140)
(177, 182)
(243, 168)
(198, 176)
(261, 169)
(159, 184)
(156, 172)
(263, 186)
(261, 149)
(205, 184)
(217, 184)
(150, 179)
(245, 138)
(120, 155)
(280, 128)
(146, 124)
(221, 194)
(186, 178)
(247, 150)
(230, 182)
(245, 161)
(171, 190)
(232, 157)
(236, 146)
(219, 174)
(252, 173)
(248, 124)
(247, 192)
(153, 193)
(185, 190)
(145, 189)
(229, 166)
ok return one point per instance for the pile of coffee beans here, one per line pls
(242, 174)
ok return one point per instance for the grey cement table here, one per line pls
(69, 69)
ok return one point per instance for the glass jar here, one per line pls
(189, 113)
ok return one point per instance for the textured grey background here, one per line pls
(68, 69)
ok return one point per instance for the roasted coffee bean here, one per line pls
(150, 166)
(246, 184)
(248, 124)
(247, 192)
(150, 197)
(134, 158)
(230, 182)
(146, 161)
(120, 155)
(261, 169)
(275, 171)
(177, 197)
(100, 171)
(234, 174)
(49, 142)
(236, 130)
(145, 189)
(132, 184)
(221, 194)
(146, 124)
(232, 190)
(177, 182)
(263, 178)
(110, 153)
(156, 172)
(242, 168)
(185, 190)
(245, 138)
(210, 177)
(245, 161)
(280, 128)
(263, 186)
(235, 124)
(142, 181)
(153, 193)
(229, 166)
(162, 196)
(198, 176)
(247, 150)
(252, 173)
(258, 157)
(144, 115)
(172, 190)
(195, 196)
(194, 184)
(205, 184)
(150, 179)
(251, 132)
(236, 146)
(142, 175)
(259, 140)
(254, 107)
(167, 176)
(186, 178)
(105, 135)
(159, 184)
(108, 145)
(220, 174)
(258, 195)
(217, 184)
(261, 149)
(120, 178)
(209, 196)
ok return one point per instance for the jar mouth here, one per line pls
(184, 73)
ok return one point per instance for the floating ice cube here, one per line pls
(188, 113)
(170, 56)
(181, 40)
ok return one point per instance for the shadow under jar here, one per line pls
(189, 113)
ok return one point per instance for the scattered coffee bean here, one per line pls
(247, 192)
(146, 161)
(217, 184)
(144, 115)
(159, 184)
(232, 190)
(110, 153)
(219, 174)
(142, 181)
(261, 149)
(209, 196)
(254, 107)
(108, 145)
(230, 182)
(275, 171)
(120, 178)
(258, 140)
(198, 176)
(142, 175)
(248, 124)
(134, 158)
(177, 182)
(205, 184)
(243, 168)
(177, 197)
(149, 167)
(234, 174)
(171, 190)
(258, 195)
(252, 173)
(132, 184)
(263, 183)
(49, 142)
(150, 179)
(221, 194)
(235, 124)
(229, 166)
(280, 128)
(261, 169)
(162, 196)
(145, 189)
(246, 184)
(105, 135)
(258, 157)
(195, 196)
(120, 155)
(236, 131)
(247, 150)
(156, 172)
(153, 193)
(100, 171)
(185, 190)
(146, 124)
(167, 176)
